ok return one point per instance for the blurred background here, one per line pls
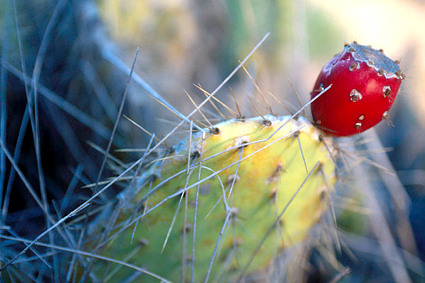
(63, 77)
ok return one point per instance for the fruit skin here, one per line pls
(365, 84)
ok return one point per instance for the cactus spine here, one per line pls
(240, 192)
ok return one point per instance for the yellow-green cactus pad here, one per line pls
(255, 187)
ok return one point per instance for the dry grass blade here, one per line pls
(99, 90)
(108, 55)
(398, 193)
(71, 214)
(3, 112)
(85, 119)
(87, 254)
(12, 174)
(380, 227)
(102, 166)
(40, 204)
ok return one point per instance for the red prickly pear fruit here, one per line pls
(365, 84)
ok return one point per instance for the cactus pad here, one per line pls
(255, 186)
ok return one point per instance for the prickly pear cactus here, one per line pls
(365, 84)
(225, 202)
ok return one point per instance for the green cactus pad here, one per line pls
(244, 175)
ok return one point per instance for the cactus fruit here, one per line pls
(257, 185)
(364, 83)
